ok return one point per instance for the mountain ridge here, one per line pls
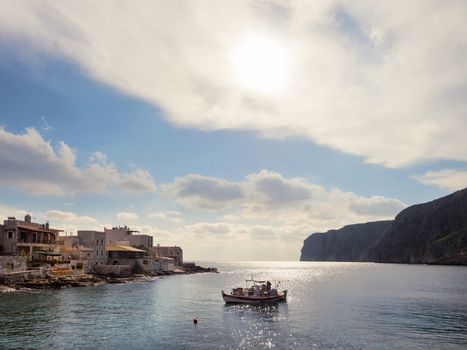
(428, 233)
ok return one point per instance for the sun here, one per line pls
(260, 65)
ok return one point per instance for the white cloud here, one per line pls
(6, 211)
(272, 188)
(198, 191)
(365, 76)
(269, 197)
(30, 163)
(67, 216)
(210, 228)
(44, 125)
(123, 215)
(447, 179)
(171, 215)
(138, 180)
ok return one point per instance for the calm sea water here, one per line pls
(330, 306)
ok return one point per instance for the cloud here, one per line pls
(268, 196)
(67, 216)
(44, 125)
(365, 78)
(198, 191)
(30, 163)
(6, 211)
(447, 179)
(172, 216)
(270, 187)
(210, 228)
(138, 180)
(123, 215)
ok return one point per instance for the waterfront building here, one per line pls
(167, 264)
(86, 250)
(118, 234)
(96, 241)
(123, 258)
(123, 235)
(141, 241)
(117, 253)
(174, 252)
(19, 237)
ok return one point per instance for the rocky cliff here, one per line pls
(350, 243)
(433, 233)
(429, 233)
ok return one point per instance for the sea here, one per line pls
(330, 305)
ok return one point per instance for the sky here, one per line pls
(231, 128)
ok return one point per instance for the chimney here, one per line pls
(27, 218)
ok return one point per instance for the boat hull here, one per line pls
(234, 299)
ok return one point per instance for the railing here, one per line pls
(38, 241)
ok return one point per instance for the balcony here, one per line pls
(36, 241)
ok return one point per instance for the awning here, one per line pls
(47, 252)
(122, 248)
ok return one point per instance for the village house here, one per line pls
(167, 264)
(175, 253)
(96, 241)
(24, 238)
(85, 250)
(124, 260)
(123, 235)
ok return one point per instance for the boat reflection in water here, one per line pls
(260, 292)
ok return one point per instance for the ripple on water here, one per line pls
(330, 306)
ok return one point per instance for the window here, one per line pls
(10, 235)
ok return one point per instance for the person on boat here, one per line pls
(268, 286)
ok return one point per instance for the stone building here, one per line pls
(97, 241)
(176, 253)
(123, 235)
(88, 248)
(167, 264)
(132, 257)
(25, 237)
(141, 241)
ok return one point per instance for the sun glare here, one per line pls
(260, 65)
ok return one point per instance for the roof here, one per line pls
(122, 248)
(38, 229)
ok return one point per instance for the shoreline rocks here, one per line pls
(92, 280)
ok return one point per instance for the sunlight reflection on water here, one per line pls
(330, 306)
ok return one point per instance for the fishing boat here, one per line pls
(260, 292)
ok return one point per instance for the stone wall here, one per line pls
(21, 276)
(113, 270)
(7, 240)
(12, 263)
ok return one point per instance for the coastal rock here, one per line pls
(349, 243)
(432, 233)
